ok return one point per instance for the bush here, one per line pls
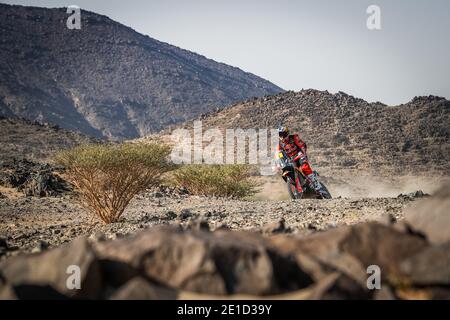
(217, 180)
(108, 176)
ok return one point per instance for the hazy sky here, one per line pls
(304, 44)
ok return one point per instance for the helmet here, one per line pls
(283, 132)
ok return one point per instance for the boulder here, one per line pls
(214, 263)
(431, 216)
(246, 261)
(45, 275)
(338, 286)
(140, 289)
(315, 268)
(165, 261)
(351, 249)
(430, 267)
(116, 273)
(320, 254)
(167, 255)
(376, 244)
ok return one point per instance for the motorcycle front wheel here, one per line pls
(292, 190)
(324, 193)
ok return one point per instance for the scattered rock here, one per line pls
(332, 225)
(97, 236)
(198, 224)
(185, 214)
(167, 191)
(41, 246)
(313, 226)
(275, 227)
(43, 183)
(116, 235)
(391, 219)
(413, 195)
(2, 196)
(33, 179)
(158, 195)
(45, 275)
(170, 215)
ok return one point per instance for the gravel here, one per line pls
(33, 224)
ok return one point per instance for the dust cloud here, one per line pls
(357, 185)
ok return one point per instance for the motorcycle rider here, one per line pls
(295, 149)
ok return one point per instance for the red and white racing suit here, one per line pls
(295, 148)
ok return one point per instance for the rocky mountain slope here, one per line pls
(106, 79)
(344, 132)
(24, 139)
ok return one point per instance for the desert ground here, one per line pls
(33, 224)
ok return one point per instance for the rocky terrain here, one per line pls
(32, 179)
(172, 245)
(187, 260)
(34, 141)
(375, 160)
(106, 80)
(29, 223)
(348, 133)
(26, 151)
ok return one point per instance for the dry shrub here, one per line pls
(216, 180)
(108, 176)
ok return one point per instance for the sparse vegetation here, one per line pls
(217, 180)
(108, 176)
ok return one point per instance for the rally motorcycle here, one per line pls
(296, 182)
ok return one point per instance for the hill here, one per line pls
(107, 80)
(347, 132)
(24, 139)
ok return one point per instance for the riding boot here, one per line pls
(313, 182)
